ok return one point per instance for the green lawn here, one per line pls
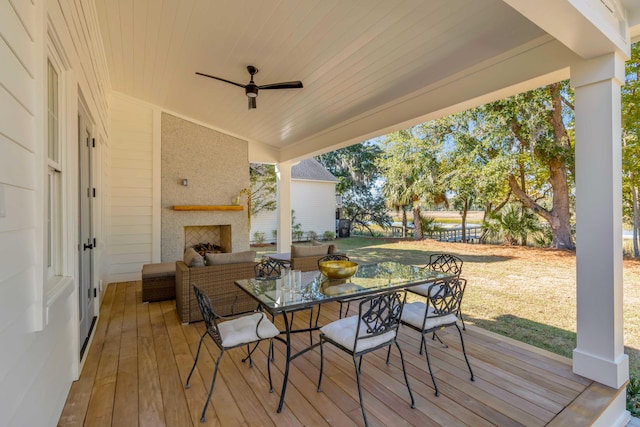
(528, 294)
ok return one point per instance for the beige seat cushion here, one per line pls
(164, 269)
(343, 332)
(230, 258)
(305, 251)
(246, 329)
(413, 314)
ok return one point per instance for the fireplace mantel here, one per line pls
(208, 208)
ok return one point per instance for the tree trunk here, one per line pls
(465, 210)
(636, 220)
(417, 224)
(559, 216)
(404, 222)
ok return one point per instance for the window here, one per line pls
(54, 176)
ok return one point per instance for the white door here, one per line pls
(86, 193)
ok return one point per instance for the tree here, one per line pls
(532, 131)
(476, 165)
(631, 143)
(410, 167)
(357, 172)
(263, 187)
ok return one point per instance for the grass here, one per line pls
(528, 294)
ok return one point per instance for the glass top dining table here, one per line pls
(286, 294)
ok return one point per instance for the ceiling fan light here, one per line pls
(251, 91)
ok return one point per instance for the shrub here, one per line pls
(312, 235)
(297, 235)
(258, 237)
(329, 235)
(633, 396)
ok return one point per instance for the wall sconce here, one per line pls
(185, 182)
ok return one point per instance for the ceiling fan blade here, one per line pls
(221, 79)
(252, 102)
(283, 85)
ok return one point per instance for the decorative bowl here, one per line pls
(338, 269)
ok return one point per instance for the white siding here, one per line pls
(39, 350)
(314, 206)
(264, 222)
(131, 219)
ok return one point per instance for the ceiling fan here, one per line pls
(251, 89)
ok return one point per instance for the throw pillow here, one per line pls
(193, 258)
(230, 258)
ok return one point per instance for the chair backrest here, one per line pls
(208, 314)
(380, 313)
(333, 257)
(445, 297)
(269, 268)
(446, 263)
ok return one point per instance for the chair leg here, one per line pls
(321, 364)
(464, 328)
(213, 383)
(195, 361)
(249, 353)
(357, 366)
(433, 378)
(269, 365)
(404, 371)
(464, 352)
(434, 336)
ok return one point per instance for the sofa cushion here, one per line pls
(230, 258)
(193, 258)
(305, 251)
(164, 269)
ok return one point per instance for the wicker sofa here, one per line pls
(217, 281)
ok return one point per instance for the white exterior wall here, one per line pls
(38, 322)
(132, 196)
(264, 222)
(314, 205)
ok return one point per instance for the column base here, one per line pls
(612, 373)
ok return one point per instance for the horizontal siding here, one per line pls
(264, 222)
(131, 204)
(314, 204)
(38, 366)
(17, 165)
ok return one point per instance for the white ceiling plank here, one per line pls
(354, 58)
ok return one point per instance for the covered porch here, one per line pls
(141, 355)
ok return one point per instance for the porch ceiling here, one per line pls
(367, 66)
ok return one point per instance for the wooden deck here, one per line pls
(141, 355)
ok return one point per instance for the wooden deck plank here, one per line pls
(100, 409)
(142, 350)
(75, 409)
(174, 402)
(150, 408)
(125, 406)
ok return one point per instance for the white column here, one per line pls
(599, 354)
(283, 173)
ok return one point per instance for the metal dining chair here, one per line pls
(229, 332)
(375, 327)
(445, 263)
(440, 311)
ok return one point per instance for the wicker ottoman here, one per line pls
(158, 281)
